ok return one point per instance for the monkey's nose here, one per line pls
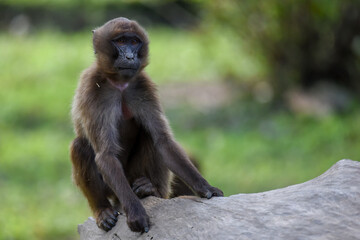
(129, 56)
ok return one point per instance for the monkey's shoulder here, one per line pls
(144, 85)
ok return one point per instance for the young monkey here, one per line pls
(124, 147)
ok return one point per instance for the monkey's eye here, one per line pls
(134, 41)
(121, 41)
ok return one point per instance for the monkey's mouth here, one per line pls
(127, 72)
(125, 68)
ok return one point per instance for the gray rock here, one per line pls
(327, 207)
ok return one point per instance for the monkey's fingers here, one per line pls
(139, 224)
(105, 226)
(107, 219)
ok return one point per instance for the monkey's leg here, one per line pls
(87, 177)
(147, 174)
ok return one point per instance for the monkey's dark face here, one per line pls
(127, 61)
(121, 48)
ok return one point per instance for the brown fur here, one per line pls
(120, 154)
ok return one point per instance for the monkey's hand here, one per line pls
(137, 219)
(210, 191)
(106, 218)
(142, 187)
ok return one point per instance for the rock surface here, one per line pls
(327, 207)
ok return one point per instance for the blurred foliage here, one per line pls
(298, 43)
(71, 3)
(303, 42)
(78, 15)
(242, 146)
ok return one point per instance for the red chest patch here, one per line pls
(126, 112)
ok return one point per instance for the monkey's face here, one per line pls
(121, 48)
(126, 58)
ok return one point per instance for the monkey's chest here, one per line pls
(128, 131)
(126, 113)
(128, 128)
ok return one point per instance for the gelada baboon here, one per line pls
(124, 147)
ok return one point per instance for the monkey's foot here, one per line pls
(142, 187)
(106, 218)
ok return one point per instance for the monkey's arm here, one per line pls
(174, 157)
(179, 163)
(102, 134)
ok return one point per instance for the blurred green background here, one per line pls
(263, 93)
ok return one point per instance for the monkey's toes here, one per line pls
(142, 187)
(107, 218)
(214, 192)
(210, 192)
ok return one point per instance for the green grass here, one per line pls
(273, 152)
(202, 56)
(239, 150)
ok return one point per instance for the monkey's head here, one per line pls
(121, 48)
